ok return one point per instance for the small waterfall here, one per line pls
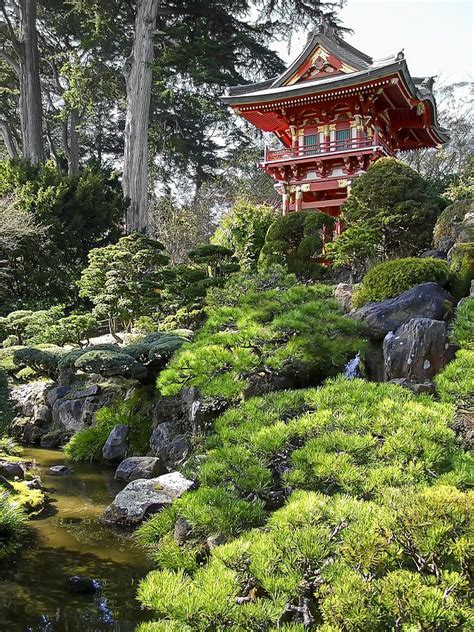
(352, 369)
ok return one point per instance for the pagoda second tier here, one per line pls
(333, 112)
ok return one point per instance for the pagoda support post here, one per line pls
(298, 199)
(285, 200)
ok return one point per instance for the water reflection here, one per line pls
(67, 540)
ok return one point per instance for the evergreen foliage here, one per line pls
(44, 362)
(448, 222)
(243, 230)
(456, 382)
(27, 326)
(462, 332)
(298, 334)
(462, 268)
(296, 241)
(391, 278)
(77, 213)
(369, 527)
(12, 524)
(75, 329)
(123, 280)
(396, 203)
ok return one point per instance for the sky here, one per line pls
(436, 35)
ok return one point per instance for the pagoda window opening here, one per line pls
(343, 138)
(311, 143)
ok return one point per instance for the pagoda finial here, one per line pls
(324, 26)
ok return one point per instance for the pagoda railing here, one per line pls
(327, 148)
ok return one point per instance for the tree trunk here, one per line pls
(138, 79)
(8, 139)
(30, 89)
(73, 162)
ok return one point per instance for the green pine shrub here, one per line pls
(87, 444)
(347, 437)
(295, 241)
(448, 222)
(456, 382)
(337, 563)
(297, 333)
(391, 278)
(109, 364)
(43, 362)
(462, 331)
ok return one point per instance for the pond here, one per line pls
(67, 540)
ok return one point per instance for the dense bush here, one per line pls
(74, 329)
(397, 203)
(28, 326)
(76, 213)
(87, 444)
(391, 278)
(357, 545)
(43, 362)
(296, 241)
(297, 334)
(462, 268)
(462, 331)
(243, 230)
(447, 224)
(456, 382)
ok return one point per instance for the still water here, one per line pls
(67, 540)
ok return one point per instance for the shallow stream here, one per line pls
(67, 540)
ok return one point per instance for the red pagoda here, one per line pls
(335, 111)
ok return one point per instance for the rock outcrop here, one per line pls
(427, 300)
(418, 350)
(343, 294)
(115, 448)
(139, 467)
(144, 497)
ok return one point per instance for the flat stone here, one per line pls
(59, 470)
(56, 393)
(79, 584)
(144, 497)
(136, 467)
(90, 391)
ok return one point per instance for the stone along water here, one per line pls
(67, 540)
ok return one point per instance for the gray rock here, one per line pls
(90, 391)
(161, 438)
(59, 470)
(343, 294)
(115, 447)
(418, 350)
(139, 467)
(42, 414)
(177, 451)
(143, 497)
(427, 300)
(56, 393)
(35, 483)
(28, 396)
(70, 414)
(182, 530)
(11, 470)
(433, 254)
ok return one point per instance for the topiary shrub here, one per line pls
(87, 444)
(456, 382)
(295, 241)
(447, 224)
(391, 278)
(44, 363)
(462, 269)
(275, 337)
(109, 364)
(462, 331)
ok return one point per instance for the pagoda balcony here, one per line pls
(330, 149)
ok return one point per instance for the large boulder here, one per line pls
(28, 397)
(11, 470)
(418, 350)
(139, 467)
(144, 497)
(427, 300)
(170, 446)
(115, 448)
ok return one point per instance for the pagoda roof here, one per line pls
(327, 64)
